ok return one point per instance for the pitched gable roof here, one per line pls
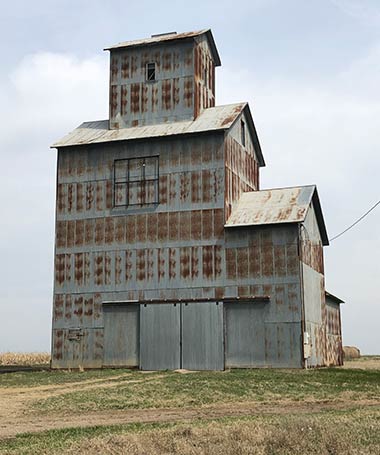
(212, 119)
(166, 37)
(276, 206)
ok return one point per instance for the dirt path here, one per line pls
(13, 421)
(15, 403)
(17, 415)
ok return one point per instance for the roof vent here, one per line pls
(163, 34)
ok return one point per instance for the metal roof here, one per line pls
(279, 205)
(165, 37)
(334, 298)
(211, 119)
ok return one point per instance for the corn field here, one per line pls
(24, 358)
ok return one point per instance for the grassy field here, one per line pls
(324, 411)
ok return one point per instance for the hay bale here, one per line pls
(351, 352)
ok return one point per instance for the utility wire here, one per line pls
(356, 222)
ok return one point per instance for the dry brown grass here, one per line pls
(291, 436)
(24, 358)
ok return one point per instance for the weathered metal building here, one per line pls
(168, 255)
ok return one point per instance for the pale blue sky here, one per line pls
(310, 70)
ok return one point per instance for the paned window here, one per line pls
(150, 72)
(136, 181)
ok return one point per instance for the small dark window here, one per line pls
(150, 72)
(135, 181)
(242, 129)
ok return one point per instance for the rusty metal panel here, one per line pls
(282, 345)
(160, 330)
(202, 336)
(121, 335)
(285, 205)
(212, 119)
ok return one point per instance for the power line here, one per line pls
(356, 222)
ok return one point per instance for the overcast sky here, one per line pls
(309, 69)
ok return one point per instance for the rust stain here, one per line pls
(172, 263)
(107, 268)
(99, 231)
(89, 196)
(80, 197)
(118, 269)
(130, 229)
(113, 101)
(128, 266)
(141, 228)
(231, 263)
(79, 232)
(208, 262)
(185, 253)
(58, 308)
(61, 234)
(161, 261)
(68, 307)
(70, 197)
(194, 262)
(149, 264)
(242, 262)
(120, 229)
(173, 226)
(184, 225)
(109, 230)
(152, 227)
(78, 308)
(70, 241)
(124, 100)
(144, 98)
(78, 268)
(88, 307)
(207, 224)
(125, 65)
(109, 194)
(89, 232)
(163, 226)
(166, 94)
(99, 269)
(135, 98)
(196, 225)
(195, 187)
(61, 196)
(163, 183)
(140, 264)
(188, 92)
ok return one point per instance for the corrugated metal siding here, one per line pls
(334, 350)
(121, 335)
(204, 76)
(170, 98)
(251, 341)
(264, 261)
(102, 253)
(176, 250)
(202, 336)
(184, 82)
(311, 254)
(241, 166)
(160, 337)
